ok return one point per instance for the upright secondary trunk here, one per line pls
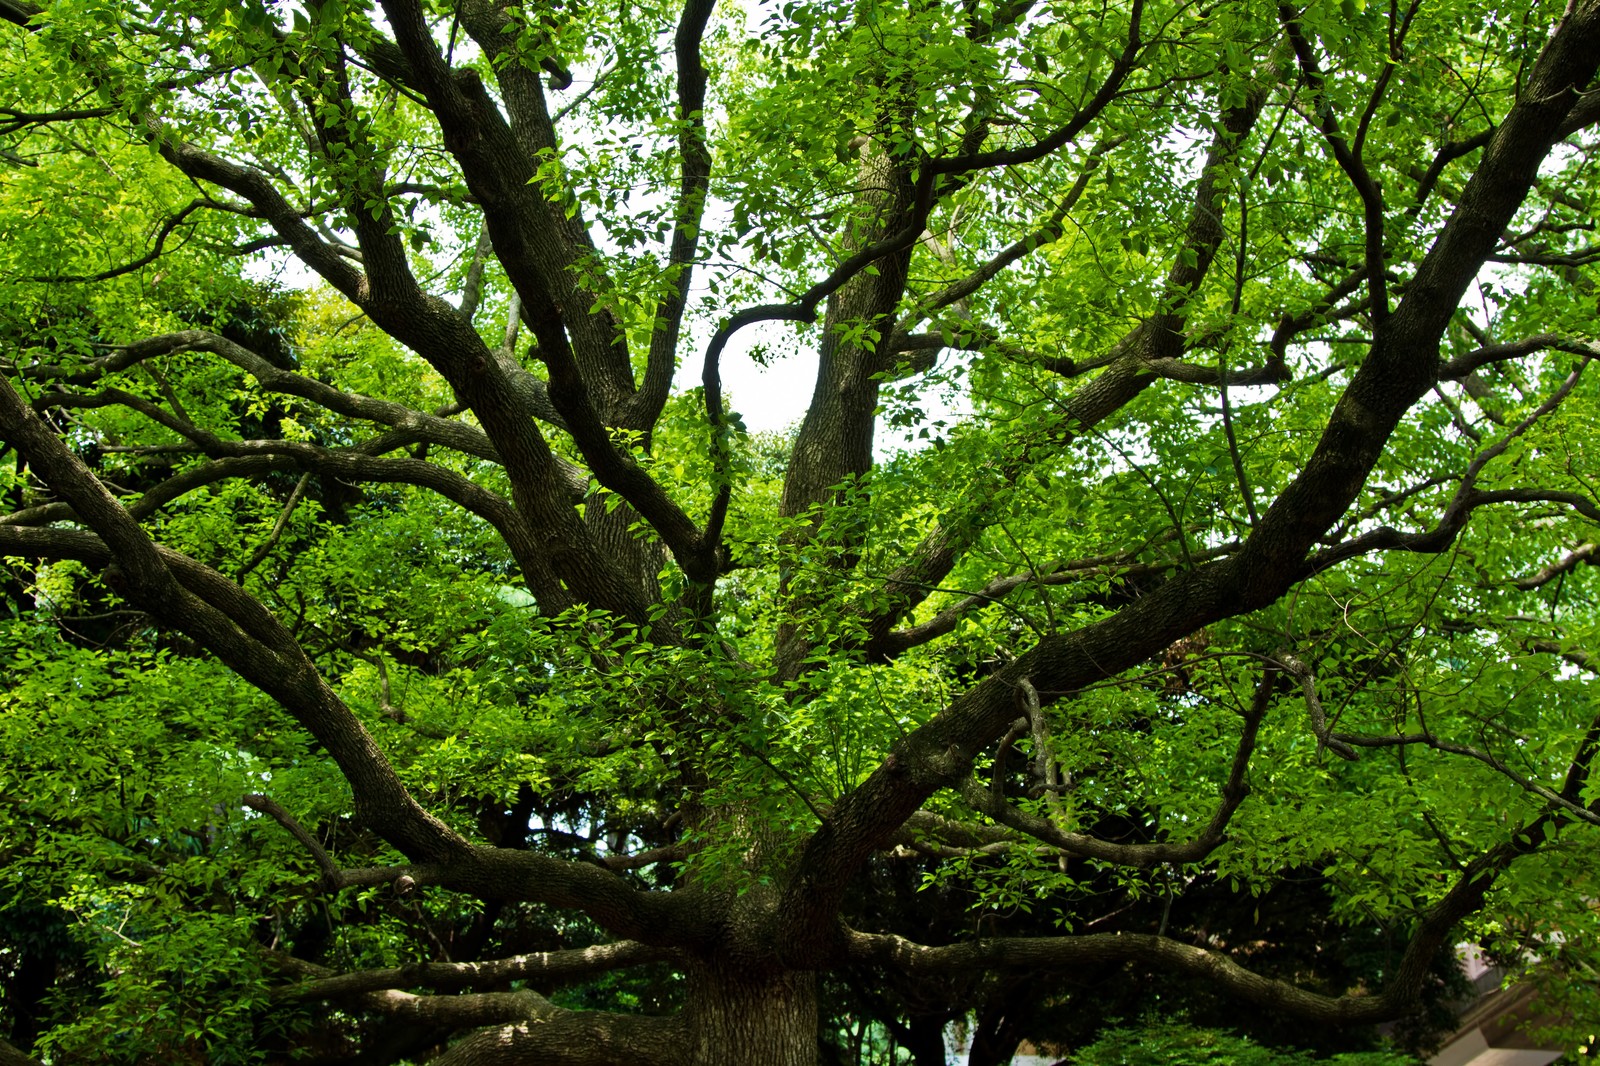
(834, 443)
(742, 1015)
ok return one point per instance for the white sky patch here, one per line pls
(771, 398)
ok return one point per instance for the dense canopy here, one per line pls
(1174, 599)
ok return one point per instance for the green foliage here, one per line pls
(1083, 441)
(1166, 1043)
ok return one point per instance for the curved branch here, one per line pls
(128, 268)
(196, 600)
(264, 549)
(490, 873)
(1121, 67)
(804, 307)
(1045, 234)
(1133, 363)
(1297, 669)
(257, 188)
(439, 333)
(584, 351)
(1348, 160)
(1584, 553)
(1431, 934)
(1467, 498)
(271, 807)
(1463, 365)
(443, 431)
(1143, 856)
(1073, 952)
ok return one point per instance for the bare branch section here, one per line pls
(1067, 953)
(264, 549)
(576, 1038)
(10, 1056)
(1584, 553)
(164, 493)
(443, 431)
(157, 246)
(523, 1026)
(694, 162)
(543, 968)
(1348, 159)
(1462, 366)
(1296, 668)
(268, 806)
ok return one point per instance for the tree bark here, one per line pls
(741, 1014)
(834, 444)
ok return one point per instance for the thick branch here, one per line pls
(694, 162)
(544, 968)
(1584, 553)
(196, 600)
(559, 1037)
(9, 1054)
(1463, 365)
(442, 335)
(1431, 934)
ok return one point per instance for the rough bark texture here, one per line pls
(740, 1014)
(833, 450)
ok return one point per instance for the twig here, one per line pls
(266, 546)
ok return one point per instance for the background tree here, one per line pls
(382, 666)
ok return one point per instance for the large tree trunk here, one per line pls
(740, 1015)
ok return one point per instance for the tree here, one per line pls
(375, 672)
